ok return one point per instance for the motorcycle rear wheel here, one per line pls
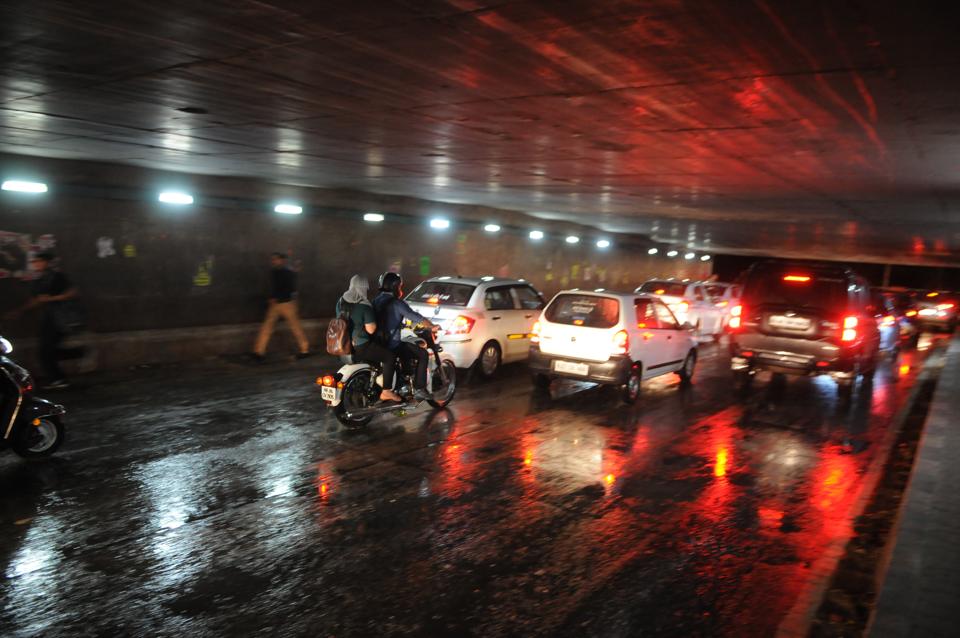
(355, 396)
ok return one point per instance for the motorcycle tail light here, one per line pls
(461, 325)
(326, 381)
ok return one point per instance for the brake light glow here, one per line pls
(659, 291)
(911, 313)
(933, 294)
(721, 304)
(798, 279)
(736, 314)
(887, 321)
(683, 306)
(944, 306)
(434, 301)
(535, 332)
(461, 325)
(621, 342)
(326, 381)
(849, 329)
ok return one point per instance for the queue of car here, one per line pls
(794, 318)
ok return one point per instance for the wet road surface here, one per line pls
(223, 499)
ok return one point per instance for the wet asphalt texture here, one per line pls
(224, 499)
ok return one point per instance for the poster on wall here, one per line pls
(16, 250)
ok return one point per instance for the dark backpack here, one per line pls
(339, 332)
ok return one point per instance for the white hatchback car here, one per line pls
(484, 320)
(610, 338)
(690, 303)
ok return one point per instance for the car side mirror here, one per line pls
(5, 346)
(686, 325)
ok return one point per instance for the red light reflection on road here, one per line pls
(720, 465)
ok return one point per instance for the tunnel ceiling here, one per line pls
(822, 128)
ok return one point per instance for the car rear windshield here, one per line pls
(670, 288)
(441, 293)
(584, 310)
(716, 291)
(822, 293)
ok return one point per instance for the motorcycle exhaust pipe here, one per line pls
(378, 409)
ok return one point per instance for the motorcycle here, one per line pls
(32, 427)
(354, 391)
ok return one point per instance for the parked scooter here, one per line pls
(32, 427)
(354, 391)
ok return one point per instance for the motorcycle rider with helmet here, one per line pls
(391, 311)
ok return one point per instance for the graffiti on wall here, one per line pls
(16, 250)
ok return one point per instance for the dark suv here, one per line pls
(804, 319)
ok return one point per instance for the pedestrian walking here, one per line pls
(282, 304)
(56, 297)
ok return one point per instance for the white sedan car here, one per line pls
(485, 321)
(690, 303)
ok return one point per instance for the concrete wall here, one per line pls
(142, 265)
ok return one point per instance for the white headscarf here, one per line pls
(357, 293)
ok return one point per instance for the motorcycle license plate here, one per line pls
(328, 393)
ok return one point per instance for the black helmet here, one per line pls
(391, 282)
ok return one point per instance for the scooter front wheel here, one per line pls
(355, 397)
(40, 438)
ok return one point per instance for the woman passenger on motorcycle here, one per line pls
(364, 324)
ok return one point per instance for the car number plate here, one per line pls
(328, 393)
(790, 323)
(571, 367)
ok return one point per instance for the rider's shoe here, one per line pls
(390, 395)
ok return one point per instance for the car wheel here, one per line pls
(845, 389)
(687, 369)
(489, 360)
(630, 390)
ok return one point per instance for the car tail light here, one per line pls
(796, 279)
(621, 342)
(849, 329)
(736, 315)
(535, 332)
(461, 325)
(887, 321)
